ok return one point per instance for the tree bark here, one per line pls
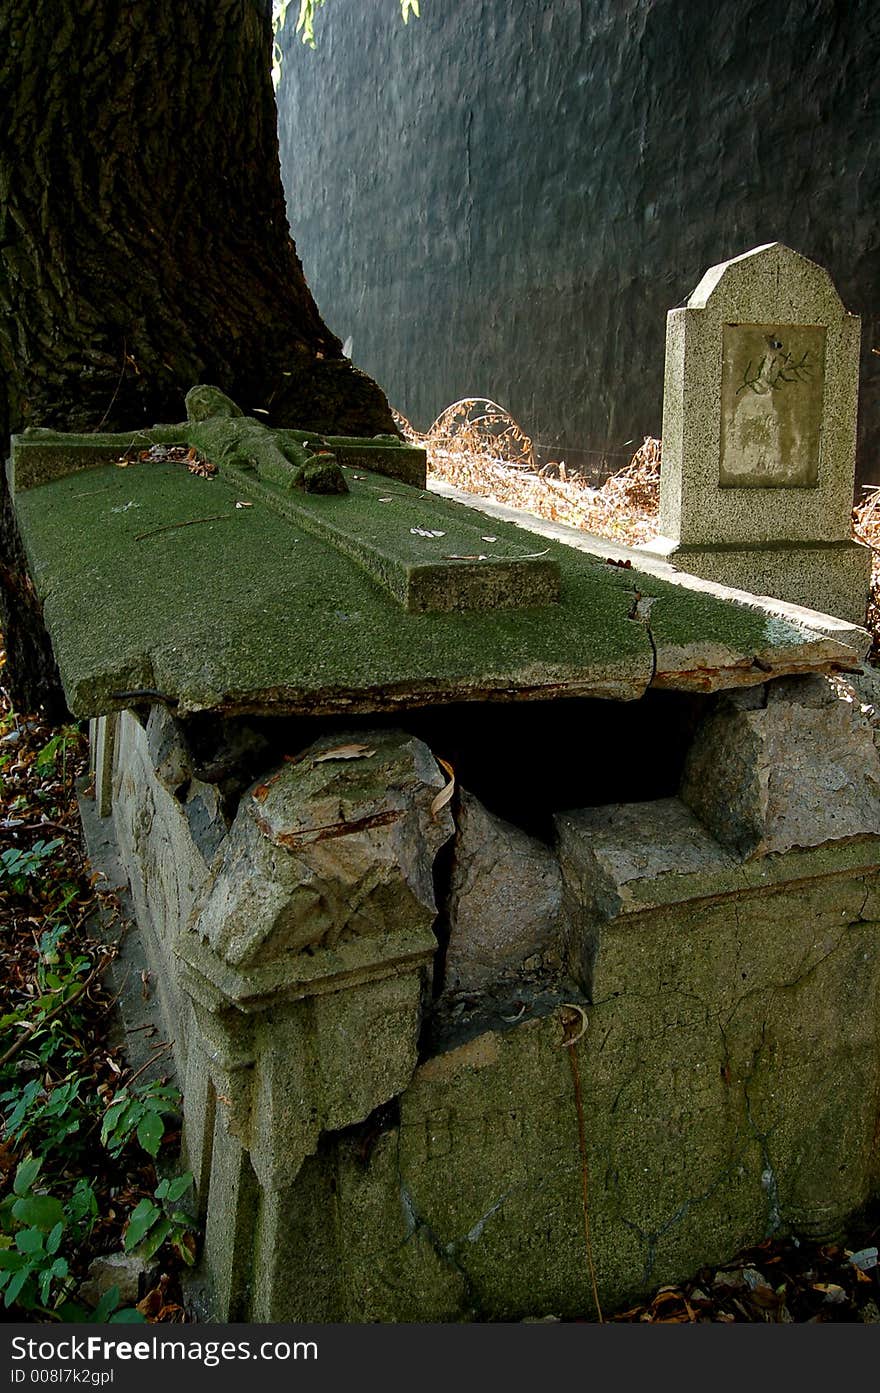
(144, 244)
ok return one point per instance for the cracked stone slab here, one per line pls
(155, 581)
(653, 563)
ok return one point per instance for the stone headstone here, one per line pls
(759, 434)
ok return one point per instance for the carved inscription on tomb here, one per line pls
(772, 379)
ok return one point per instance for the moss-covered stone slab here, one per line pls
(428, 563)
(155, 580)
(425, 568)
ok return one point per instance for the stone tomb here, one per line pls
(759, 431)
(665, 821)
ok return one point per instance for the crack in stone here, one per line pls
(295, 841)
(477, 1230)
(640, 612)
(416, 1223)
(651, 1239)
(769, 1181)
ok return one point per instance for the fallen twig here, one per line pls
(192, 522)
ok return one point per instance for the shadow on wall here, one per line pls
(507, 198)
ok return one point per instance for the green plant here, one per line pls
(17, 863)
(46, 1023)
(139, 1112)
(33, 1271)
(47, 1117)
(62, 741)
(305, 25)
(159, 1220)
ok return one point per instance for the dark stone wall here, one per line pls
(505, 197)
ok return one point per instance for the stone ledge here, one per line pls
(216, 985)
(636, 850)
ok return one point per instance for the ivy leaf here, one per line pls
(29, 1241)
(151, 1130)
(54, 1239)
(154, 1240)
(179, 1186)
(26, 1174)
(108, 1303)
(129, 1315)
(112, 1114)
(40, 1211)
(142, 1220)
(15, 1285)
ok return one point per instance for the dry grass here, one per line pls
(866, 528)
(476, 445)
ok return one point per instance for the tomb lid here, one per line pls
(241, 594)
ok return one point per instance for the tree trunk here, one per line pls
(144, 243)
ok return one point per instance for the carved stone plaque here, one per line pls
(772, 381)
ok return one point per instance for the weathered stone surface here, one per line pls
(166, 870)
(398, 1271)
(769, 286)
(329, 848)
(233, 441)
(513, 1222)
(620, 858)
(707, 1040)
(655, 563)
(759, 432)
(306, 958)
(722, 994)
(294, 1270)
(325, 1064)
(243, 611)
(168, 749)
(206, 818)
(121, 1270)
(865, 688)
(102, 734)
(793, 765)
(233, 1210)
(504, 904)
(829, 577)
(701, 1030)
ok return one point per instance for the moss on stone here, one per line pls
(153, 578)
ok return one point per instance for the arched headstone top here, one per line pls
(773, 278)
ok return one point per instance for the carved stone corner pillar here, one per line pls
(309, 954)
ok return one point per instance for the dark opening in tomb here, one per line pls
(524, 760)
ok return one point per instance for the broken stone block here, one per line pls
(792, 764)
(168, 750)
(205, 815)
(505, 900)
(336, 845)
(622, 859)
(121, 1270)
